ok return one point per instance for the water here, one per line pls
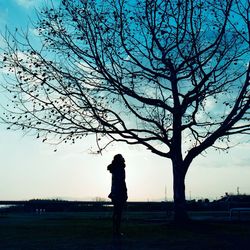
(6, 206)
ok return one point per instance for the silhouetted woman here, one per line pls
(118, 193)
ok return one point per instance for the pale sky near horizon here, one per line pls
(31, 169)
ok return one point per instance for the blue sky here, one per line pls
(31, 169)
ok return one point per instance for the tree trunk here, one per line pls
(180, 209)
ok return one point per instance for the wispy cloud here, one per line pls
(3, 16)
(28, 3)
(244, 162)
(237, 157)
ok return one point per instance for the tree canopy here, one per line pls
(127, 70)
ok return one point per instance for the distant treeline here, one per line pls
(41, 206)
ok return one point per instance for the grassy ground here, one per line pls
(142, 231)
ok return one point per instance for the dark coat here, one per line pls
(118, 188)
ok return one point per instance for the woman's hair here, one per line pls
(117, 160)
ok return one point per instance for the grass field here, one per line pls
(142, 231)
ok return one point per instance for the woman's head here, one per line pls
(118, 160)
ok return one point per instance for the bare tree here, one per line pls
(172, 76)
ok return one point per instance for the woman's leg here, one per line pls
(117, 217)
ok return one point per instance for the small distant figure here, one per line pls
(118, 193)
